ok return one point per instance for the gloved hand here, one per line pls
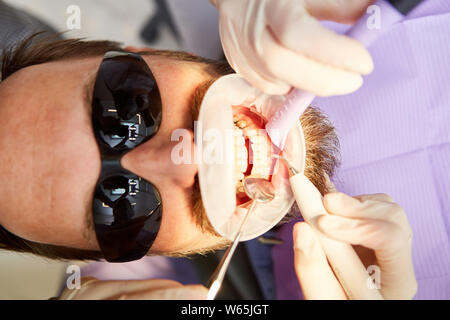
(154, 289)
(279, 44)
(379, 231)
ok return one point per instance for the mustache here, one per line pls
(199, 213)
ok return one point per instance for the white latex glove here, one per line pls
(380, 233)
(279, 44)
(154, 289)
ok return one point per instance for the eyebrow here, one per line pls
(87, 96)
(88, 92)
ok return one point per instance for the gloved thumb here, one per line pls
(335, 57)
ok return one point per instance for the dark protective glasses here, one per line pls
(126, 112)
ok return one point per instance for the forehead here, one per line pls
(41, 88)
(39, 107)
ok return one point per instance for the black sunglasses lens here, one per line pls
(126, 105)
(127, 217)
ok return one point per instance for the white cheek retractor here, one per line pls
(215, 148)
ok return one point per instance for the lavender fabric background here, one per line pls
(395, 139)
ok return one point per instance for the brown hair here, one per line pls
(321, 141)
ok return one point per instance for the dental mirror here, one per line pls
(259, 190)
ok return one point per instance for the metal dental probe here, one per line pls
(259, 190)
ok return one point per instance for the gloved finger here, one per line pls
(304, 73)
(341, 204)
(376, 196)
(313, 271)
(100, 290)
(378, 235)
(298, 31)
(268, 86)
(73, 294)
(376, 206)
(253, 69)
(348, 11)
(191, 292)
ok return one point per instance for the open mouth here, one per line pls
(233, 104)
(253, 148)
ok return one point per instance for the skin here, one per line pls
(51, 160)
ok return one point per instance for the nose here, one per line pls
(154, 161)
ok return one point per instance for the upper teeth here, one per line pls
(241, 124)
(241, 154)
(259, 157)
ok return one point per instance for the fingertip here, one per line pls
(271, 88)
(303, 237)
(264, 82)
(360, 58)
(349, 82)
(355, 82)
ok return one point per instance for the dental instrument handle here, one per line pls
(287, 116)
(219, 273)
(347, 266)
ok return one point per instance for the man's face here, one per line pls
(50, 162)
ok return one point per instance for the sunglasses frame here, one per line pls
(126, 112)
